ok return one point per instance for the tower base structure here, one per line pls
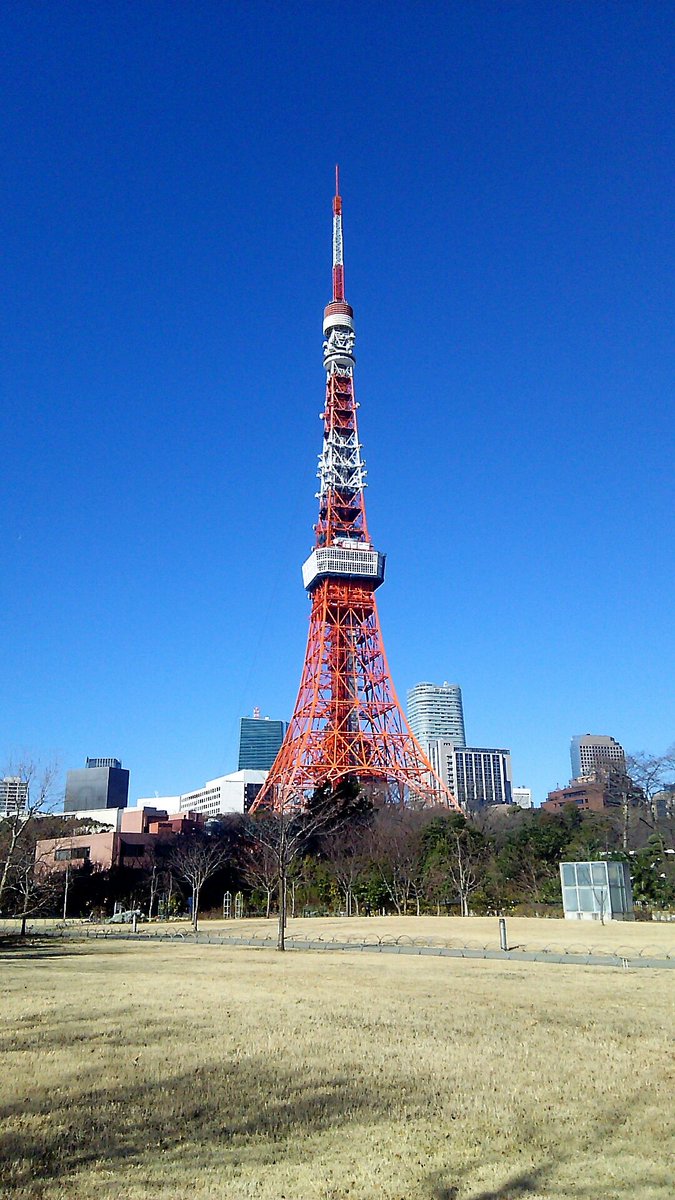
(347, 722)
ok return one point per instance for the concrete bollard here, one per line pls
(503, 941)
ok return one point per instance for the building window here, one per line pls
(71, 852)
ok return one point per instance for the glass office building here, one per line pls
(259, 742)
(596, 891)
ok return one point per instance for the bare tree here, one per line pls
(651, 773)
(466, 862)
(288, 830)
(259, 866)
(17, 828)
(195, 859)
(158, 874)
(397, 848)
(33, 886)
(344, 851)
(457, 858)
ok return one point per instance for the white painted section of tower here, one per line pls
(340, 463)
(338, 260)
(341, 466)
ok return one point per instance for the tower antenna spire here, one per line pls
(338, 250)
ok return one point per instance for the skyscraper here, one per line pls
(259, 742)
(589, 751)
(436, 712)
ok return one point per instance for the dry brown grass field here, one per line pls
(654, 939)
(525, 933)
(172, 1071)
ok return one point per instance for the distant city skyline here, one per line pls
(160, 366)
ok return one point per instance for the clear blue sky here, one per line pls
(507, 180)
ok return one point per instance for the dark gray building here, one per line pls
(103, 783)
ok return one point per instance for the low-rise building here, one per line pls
(129, 844)
(587, 794)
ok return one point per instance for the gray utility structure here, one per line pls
(103, 783)
(596, 891)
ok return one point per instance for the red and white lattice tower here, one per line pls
(347, 721)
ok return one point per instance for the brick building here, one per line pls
(588, 795)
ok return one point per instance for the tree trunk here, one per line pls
(465, 905)
(281, 936)
(417, 900)
(7, 864)
(195, 908)
(269, 902)
(153, 892)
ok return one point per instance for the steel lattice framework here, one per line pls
(347, 721)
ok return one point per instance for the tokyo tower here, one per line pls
(347, 722)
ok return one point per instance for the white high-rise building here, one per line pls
(13, 796)
(476, 776)
(522, 796)
(589, 751)
(233, 793)
(436, 712)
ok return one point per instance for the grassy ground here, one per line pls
(527, 933)
(652, 938)
(137, 1071)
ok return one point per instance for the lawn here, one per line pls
(135, 1071)
(652, 939)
